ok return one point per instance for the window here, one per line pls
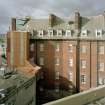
(68, 32)
(59, 32)
(98, 33)
(57, 61)
(100, 81)
(70, 61)
(57, 74)
(42, 75)
(50, 32)
(57, 47)
(103, 80)
(101, 66)
(70, 76)
(84, 33)
(83, 49)
(56, 87)
(41, 89)
(83, 64)
(70, 48)
(40, 32)
(32, 47)
(83, 79)
(101, 49)
(41, 47)
(41, 61)
(32, 60)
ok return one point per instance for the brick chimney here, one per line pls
(52, 19)
(13, 24)
(77, 20)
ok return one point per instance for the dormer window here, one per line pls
(98, 33)
(59, 32)
(68, 32)
(84, 33)
(40, 33)
(50, 32)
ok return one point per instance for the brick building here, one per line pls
(71, 51)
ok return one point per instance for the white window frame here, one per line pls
(70, 62)
(50, 33)
(59, 32)
(83, 63)
(40, 33)
(70, 76)
(57, 61)
(84, 33)
(101, 49)
(70, 48)
(100, 81)
(97, 32)
(101, 66)
(68, 33)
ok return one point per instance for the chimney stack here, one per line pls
(77, 20)
(52, 19)
(13, 24)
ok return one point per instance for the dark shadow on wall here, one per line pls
(46, 92)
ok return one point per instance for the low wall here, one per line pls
(81, 98)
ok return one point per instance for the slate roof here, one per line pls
(89, 23)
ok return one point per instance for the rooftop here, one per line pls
(12, 79)
(89, 23)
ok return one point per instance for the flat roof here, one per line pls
(13, 79)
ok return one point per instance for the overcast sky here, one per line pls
(41, 8)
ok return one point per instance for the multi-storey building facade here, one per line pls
(71, 51)
(3, 46)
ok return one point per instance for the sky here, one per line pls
(42, 8)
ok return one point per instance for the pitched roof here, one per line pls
(89, 23)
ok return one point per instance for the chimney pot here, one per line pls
(13, 24)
